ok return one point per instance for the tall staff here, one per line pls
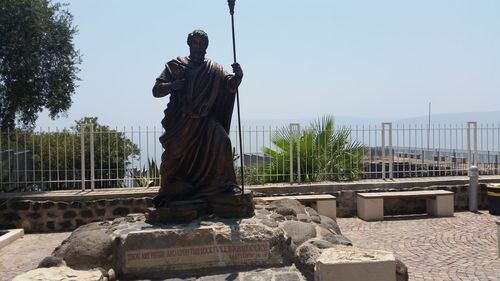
(231, 11)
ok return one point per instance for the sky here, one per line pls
(301, 59)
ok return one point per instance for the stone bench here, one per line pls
(371, 205)
(326, 204)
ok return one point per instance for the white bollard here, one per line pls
(473, 188)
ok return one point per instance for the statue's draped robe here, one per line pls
(197, 161)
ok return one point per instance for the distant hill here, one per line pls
(492, 117)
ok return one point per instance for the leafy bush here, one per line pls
(326, 153)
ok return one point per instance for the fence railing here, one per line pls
(103, 157)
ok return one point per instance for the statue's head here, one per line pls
(198, 44)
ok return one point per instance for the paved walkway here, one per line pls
(463, 247)
(25, 253)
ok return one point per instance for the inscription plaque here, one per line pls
(220, 254)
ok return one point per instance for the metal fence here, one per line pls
(103, 157)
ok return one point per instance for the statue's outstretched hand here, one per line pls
(238, 72)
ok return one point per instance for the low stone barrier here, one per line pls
(55, 214)
(50, 216)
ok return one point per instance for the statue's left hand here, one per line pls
(238, 72)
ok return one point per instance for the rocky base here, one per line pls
(282, 234)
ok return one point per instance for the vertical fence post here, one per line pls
(82, 154)
(391, 153)
(92, 170)
(391, 156)
(383, 150)
(471, 157)
(298, 152)
(294, 127)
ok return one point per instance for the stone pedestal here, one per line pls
(355, 264)
(223, 206)
(200, 247)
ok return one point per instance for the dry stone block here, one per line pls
(34, 215)
(52, 215)
(69, 214)
(20, 205)
(89, 245)
(295, 205)
(277, 217)
(48, 204)
(306, 255)
(330, 224)
(36, 206)
(66, 225)
(86, 213)
(128, 202)
(299, 231)
(11, 217)
(327, 235)
(51, 261)
(51, 225)
(100, 212)
(343, 263)
(121, 211)
(76, 204)
(62, 205)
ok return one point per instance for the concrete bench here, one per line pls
(371, 205)
(325, 203)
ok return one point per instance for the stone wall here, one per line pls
(49, 216)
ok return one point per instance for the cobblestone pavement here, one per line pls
(25, 253)
(463, 247)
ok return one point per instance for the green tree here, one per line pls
(326, 153)
(52, 160)
(38, 61)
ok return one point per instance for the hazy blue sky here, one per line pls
(301, 59)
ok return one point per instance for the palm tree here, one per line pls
(326, 153)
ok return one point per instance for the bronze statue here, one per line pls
(197, 162)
